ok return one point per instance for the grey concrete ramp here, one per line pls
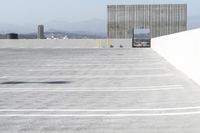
(94, 91)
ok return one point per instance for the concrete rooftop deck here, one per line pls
(95, 91)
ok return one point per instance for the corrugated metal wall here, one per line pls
(161, 19)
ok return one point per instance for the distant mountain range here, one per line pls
(93, 26)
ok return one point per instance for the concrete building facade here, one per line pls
(161, 19)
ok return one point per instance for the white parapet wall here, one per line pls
(182, 50)
(68, 43)
(43, 43)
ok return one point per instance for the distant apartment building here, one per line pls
(40, 34)
(161, 19)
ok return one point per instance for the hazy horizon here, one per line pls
(72, 15)
(37, 11)
(95, 26)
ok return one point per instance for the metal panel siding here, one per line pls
(161, 19)
(127, 22)
(121, 22)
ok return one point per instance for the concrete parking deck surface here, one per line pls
(94, 91)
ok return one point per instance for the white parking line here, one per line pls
(95, 76)
(95, 89)
(2, 77)
(100, 110)
(102, 115)
(103, 64)
(103, 87)
(84, 90)
(106, 112)
(96, 69)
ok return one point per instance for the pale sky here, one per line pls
(42, 11)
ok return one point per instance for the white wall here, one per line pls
(182, 50)
(35, 43)
(68, 43)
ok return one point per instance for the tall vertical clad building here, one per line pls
(40, 34)
(161, 19)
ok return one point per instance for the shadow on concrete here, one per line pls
(46, 82)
